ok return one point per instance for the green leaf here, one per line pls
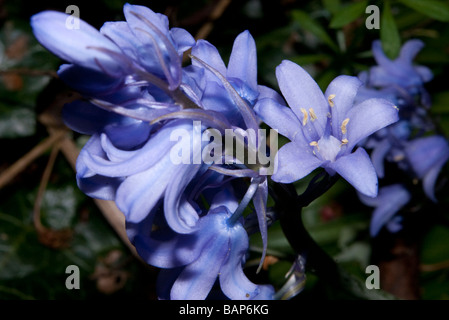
(437, 10)
(389, 34)
(307, 23)
(348, 14)
(332, 5)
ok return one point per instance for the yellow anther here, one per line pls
(396, 107)
(330, 98)
(344, 141)
(313, 116)
(314, 144)
(343, 125)
(306, 116)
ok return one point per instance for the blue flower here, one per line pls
(400, 73)
(324, 129)
(387, 203)
(135, 95)
(193, 262)
(426, 156)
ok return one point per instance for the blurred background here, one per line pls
(48, 224)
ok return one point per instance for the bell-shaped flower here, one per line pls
(400, 71)
(388, 202)
(193, 263)
(427, 156)
(324, 128)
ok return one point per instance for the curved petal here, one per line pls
(180, 214)
(302, 92)
(84, 45)
(233, 282)
(390, 200)
(278, 117)
(196, 279)
(87, 81)
(210, 55)
(183, 39)
(99, 187)
(86, 118)
(140, 193)
(294, 163)
(409, 50)
(167, 249)
(368, 117)
(424, 153)
(357, 169)
(343, 89)
(120, 33)
(378, 155)
(243, 60)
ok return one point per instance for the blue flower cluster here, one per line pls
(411, 143)
(192, 218)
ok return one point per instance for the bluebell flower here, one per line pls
(426, 156)
(135, 95)
(409, 143)
(399, 75)
(192, 263)
(324, 129)
(388, 202)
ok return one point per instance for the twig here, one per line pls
(30, 72)
(28, 158)
(110, 211)
(216, 13)
(53, 238)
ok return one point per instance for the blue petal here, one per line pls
(233, 281)
(388, 202)
(427, 156)
(141, 192)
(302, 92)
(243, 60)
(151, 29)
(278, 117)
(345, 89)
(84, 46)
(368, 117)
(120, 33)
(85, 118)
(183, 39)
(409, 50)
(87, 81)
(357, 169)
(378, 155)
(180, 214)
(166, 249)
(425, 153)
(196, 279)
(293, 163)
(210, 55)
(129, 135)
